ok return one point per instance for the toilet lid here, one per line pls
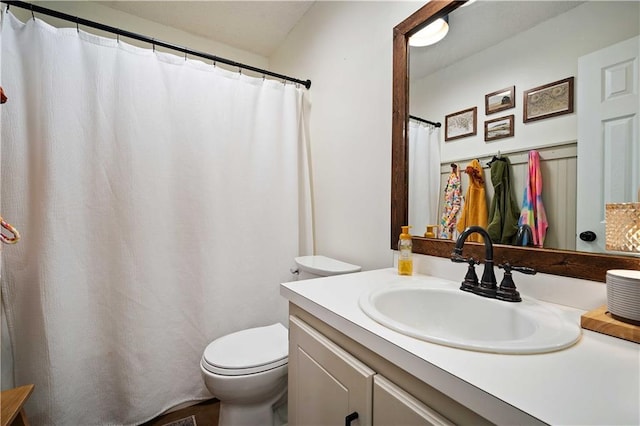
(248, 351)
(325, 266)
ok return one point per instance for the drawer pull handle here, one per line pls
(351, 417)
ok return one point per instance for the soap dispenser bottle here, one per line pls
(405, 255)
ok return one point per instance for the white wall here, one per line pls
(540, 55)
(346, 49)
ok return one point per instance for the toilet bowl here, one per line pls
(247, 370)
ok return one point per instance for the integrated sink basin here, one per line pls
(439, 313)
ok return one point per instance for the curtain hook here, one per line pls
(6, 239)
(240, 70)
(32, 14)
(153, 44)
(77, 25)
(118, 38)
(7, 9)
(185, 55)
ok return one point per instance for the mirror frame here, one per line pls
(583, 265)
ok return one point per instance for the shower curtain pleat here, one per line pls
(160, 202)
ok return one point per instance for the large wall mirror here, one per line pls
(504, 49)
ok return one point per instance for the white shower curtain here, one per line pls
(160, 202)
(424, 176)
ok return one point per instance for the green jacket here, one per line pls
(504, 212)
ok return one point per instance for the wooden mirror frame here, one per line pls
(566, 263)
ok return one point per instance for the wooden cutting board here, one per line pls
(12, 412)
(600, 320)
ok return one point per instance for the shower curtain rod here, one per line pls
(80, 21)
(422, 120)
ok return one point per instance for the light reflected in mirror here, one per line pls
(519, 46)
(465, 86)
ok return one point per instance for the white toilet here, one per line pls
(247, 370)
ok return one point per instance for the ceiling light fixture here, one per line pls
(431, 34)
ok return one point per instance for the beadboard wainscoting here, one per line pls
(558, 164)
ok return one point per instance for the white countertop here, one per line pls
(596, 381)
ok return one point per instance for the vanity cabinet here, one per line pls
(328, 385)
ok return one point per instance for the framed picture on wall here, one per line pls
(461, 124)
(498, 128)
(500, 100)
(550, 100)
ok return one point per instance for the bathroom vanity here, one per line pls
(342, 362)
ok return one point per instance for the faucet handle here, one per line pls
(458, 258)
(522, 269)
(507, 290)
(470, 282)
(471, 279)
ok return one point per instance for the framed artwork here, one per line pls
(500, 100)
(461, 124)
(498, 128)
(549, 100)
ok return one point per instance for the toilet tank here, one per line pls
(321, 266)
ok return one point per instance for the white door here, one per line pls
(608, 145)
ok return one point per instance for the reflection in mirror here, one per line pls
(502, 50)
(528, 44)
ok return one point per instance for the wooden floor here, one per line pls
(206, 414)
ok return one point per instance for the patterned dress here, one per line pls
(452, 201)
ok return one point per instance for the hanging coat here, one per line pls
(533, 212)
(474, 210)
(452, 201)
(504, 212)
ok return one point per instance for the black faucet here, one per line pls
(488, 285)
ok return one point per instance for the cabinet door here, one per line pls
(326, 383)
(394, 406)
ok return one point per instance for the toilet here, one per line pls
(247, 370)
(320, 266)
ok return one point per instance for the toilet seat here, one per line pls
(248, 351)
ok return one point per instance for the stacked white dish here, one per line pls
(623, 295)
